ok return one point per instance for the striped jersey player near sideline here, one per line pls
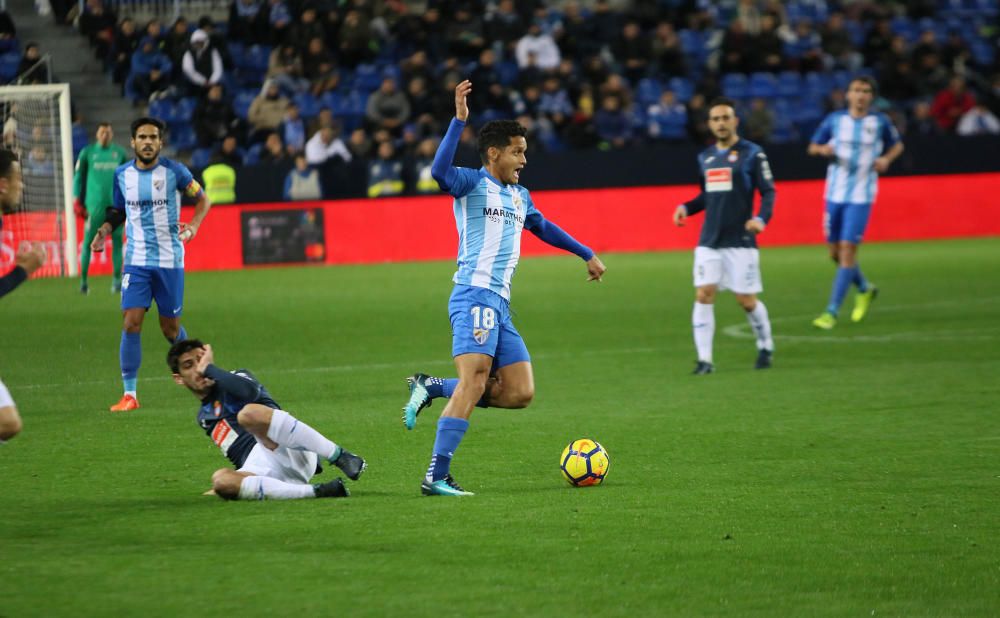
(726, 257)
(147, 199)
(860, 144)
(274, 453)
(491, 210)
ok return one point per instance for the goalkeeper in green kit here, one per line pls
(92, 186)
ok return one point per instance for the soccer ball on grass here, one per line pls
(584, 462)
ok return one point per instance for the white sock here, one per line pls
(292, 433)
(703, 323)
(761, 326)
(265, 488)
(133, 393)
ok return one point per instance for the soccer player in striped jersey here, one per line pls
(726, 258)
(147, 199)
(27, 260)
(274, 453)
(860, 144)
(491, 209)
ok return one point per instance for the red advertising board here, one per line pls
(626, 219)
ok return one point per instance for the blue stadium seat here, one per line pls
(252, 157)
(508, 71)
(648, 91)
(9, 45)
(163, 109)
(682, 87)
(200, 158)
(308, 104)
(242, 101)
(734, 85)
(182, 137)
(763, 85)
(367, 77)
(817, 84)
(184, 108)
(789, 85)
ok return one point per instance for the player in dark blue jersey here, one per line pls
(27, 260)
(274, 453)
(726, 257)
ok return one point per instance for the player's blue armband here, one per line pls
(554, 235)
(442, 169)
(236, 385)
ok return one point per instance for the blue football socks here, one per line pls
(859, 279)
(450, 432)
(130, 357)
(182, 335)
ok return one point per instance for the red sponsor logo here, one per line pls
(722, 174)
(220, 432)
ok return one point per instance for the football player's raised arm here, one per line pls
(239, 386)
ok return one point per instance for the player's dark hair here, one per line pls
(723, 101)
(156, 122)
(179, 349)
(7, 159)
(497, 134)
(865, 79)
(103, 124)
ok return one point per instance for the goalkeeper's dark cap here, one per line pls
(156, 122)
(7, 159)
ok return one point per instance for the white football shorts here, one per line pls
(729, 268)
(6, 401)
(282, 463)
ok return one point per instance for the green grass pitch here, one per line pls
(859, 477)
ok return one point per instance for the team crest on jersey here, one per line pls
(217, 409)
(733, 156)
(158, 184)
(517, 200)
(480, 335)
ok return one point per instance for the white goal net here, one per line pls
(36, 125)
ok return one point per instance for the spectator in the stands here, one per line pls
(899, 82)
(735, 51)
(154, 30)
(978, 121)
(97, 23)
(273, 152)
(421, 106)
(697, 128)
(355, 40)
(464, 33)
(214, 118)
(606, 22)
(422, 180)
(932, 76)
(247, 22)
(922, 122)
(806, 47)
(150, 70)
(749, 15)
(927, 44)
(667, 53)
(216, 40)
(504, 26)
(27, 71)
(293, 129)
(125, 44)
(202, 65)
(284, 66)
(8, 31)
(230, 152)
(326, 145)
(612, 124)
(541, 46)
(387, 107)
(760, 121)
(878, 42)
(417, 65)
(385, 173)
(279, 20)
(555, 104)
(632, 50)
(951, 103)
(955, 52)
(306, 28)
(303, 182)
(768, 52)
(576, 37)
(667, 118)
(319, 68)
(177, 41)
(267, 111)
(359, 144)
(836, 44)
(38, 162)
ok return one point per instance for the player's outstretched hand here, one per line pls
(461, 106)
(31, 257)
(881, 165)
(755, 226)
(206, 359)
(680, 214)
(822, 150)
(97, 245)
(595, 269)
(187, 231)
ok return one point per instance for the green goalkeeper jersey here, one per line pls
(95, 172)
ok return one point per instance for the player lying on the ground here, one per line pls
(275, 454)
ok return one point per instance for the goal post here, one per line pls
(37, 125)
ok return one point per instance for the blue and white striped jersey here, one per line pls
(490, 217)
(851, 177)
(151, 201)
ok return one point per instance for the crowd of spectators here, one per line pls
(374, 80)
